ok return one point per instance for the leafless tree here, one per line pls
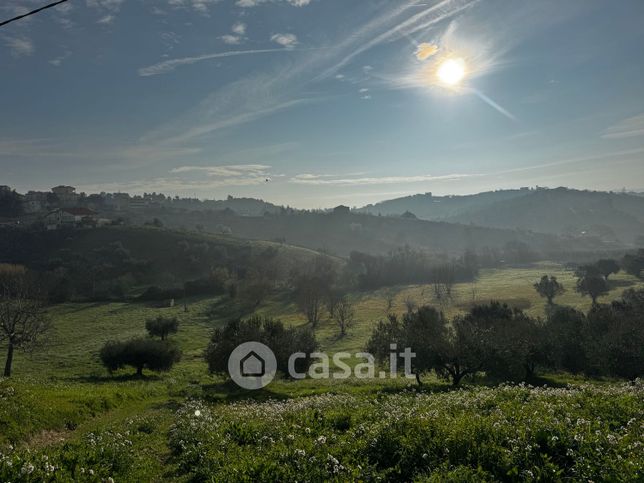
(443, 281)
(410, 304)
(344, 314)
(312, 285)
(23, 321)
(389, 302)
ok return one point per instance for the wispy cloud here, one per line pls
(373, 180)
(108, 9)
(114, 156)
(604, 157)
(194, 179)
(230, 39)
(426, 18)
(287, 86)
(285, 40)
(19, 46)
(106, 20)
(171, 64)
(58, 61)
(255, 3)
(226, 171)
(627, 128)
(239, 28)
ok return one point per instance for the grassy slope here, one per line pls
(63, 394)
(81, 329)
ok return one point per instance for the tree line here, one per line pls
(507, 344)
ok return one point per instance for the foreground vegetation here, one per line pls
(63, 417)
(512, 433)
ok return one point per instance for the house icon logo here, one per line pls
(252, 365)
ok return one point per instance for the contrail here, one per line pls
(493, 104)
(169, 65)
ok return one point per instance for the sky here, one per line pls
(315, 103)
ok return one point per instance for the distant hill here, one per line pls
(608, 216)
(340, 233)
(242, 206)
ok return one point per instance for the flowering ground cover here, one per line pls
(516, 433)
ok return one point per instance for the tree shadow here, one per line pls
(104, 379)
(620, 283)
(81, 306)
(229, 391)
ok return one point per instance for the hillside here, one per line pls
(111, 262)
(609, 216)
(342, 233)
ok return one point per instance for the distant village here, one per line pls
(62, 206)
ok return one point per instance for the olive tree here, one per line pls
(549, 288)
(155, 355)
(162, 326)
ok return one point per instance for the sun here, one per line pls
(451, 71)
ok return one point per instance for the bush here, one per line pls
(162, 327)
(154, 355)
(283, 341)
(503, 342)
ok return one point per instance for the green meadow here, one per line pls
(61, 399)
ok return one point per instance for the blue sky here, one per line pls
(326, 99)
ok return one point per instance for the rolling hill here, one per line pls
(344, 232)
(617, 217)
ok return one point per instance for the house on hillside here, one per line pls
(341, 210)
(70, 217)
(66, 196)
(34, 202)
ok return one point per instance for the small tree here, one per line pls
(593, 285)
(344, 314)
(614, 339)
(509, 344)
(162, 326)
(390, 299)
(23, 321)
(312, 285)
(410, 304)
(549, 288)
(283, 341)
(154, 355)
(607, 267)
(449, 350)
(633, 264)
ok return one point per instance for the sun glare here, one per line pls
(451, 71)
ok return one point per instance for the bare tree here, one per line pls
(312, 285)
(410, 304)
(310, 299)
(389, 302)
(344, 314)
(474, 291)
(443, 281)
(23, 321)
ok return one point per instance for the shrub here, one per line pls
(283, 341)
(162, 327)
(154, 355)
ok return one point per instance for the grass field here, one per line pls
(60, 400)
